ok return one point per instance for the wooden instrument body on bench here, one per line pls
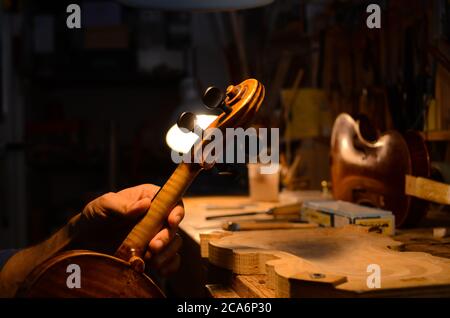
(372, 172)
(122, 275)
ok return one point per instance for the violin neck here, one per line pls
(165, 200)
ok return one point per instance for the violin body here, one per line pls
(373, 172)
(101, 275)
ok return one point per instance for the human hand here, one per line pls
(106, 221)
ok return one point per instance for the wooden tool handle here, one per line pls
(287, 210)
(255, 225)
(135, 244)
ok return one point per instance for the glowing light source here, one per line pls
(181, 141)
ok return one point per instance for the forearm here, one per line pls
(20, 265)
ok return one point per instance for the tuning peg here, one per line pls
(214, 98)
(188, 121)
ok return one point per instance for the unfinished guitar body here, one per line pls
(325, 262)
(372, 172)
(100, 276)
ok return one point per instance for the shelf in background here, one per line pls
(436, 135)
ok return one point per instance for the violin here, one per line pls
(371, 169)
(123, 274)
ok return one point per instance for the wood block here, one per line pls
(440, 232)
(252, 286)
(220, 291)
(427, 189)
(327, 262)
(206, 237)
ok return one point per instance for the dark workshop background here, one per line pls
(85, 111)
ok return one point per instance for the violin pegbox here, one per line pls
(238, 104)
(241, 102)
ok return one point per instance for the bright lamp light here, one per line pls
(183, 142)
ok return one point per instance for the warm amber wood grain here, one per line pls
(166, 199)
(220, 291)
(373, 172)
(326, 262)
(427, 189)
(101, 276)
(122, 275)
(438, 135)
(245, 100)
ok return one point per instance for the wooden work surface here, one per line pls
(330, 262)
(196, 273)
(198, 208)
(192, 277)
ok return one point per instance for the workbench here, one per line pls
(196, 274)
(191, 279)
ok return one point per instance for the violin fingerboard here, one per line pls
(162, 204)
